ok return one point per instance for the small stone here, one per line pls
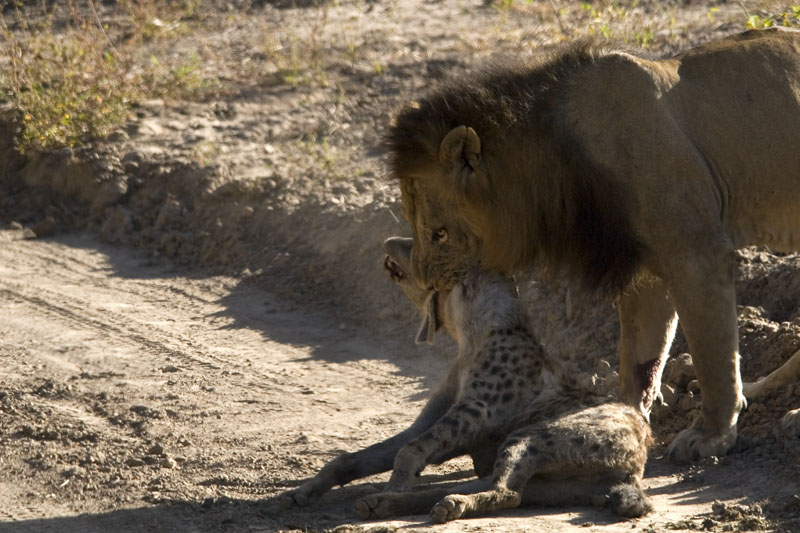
(168, 462)
(667, 394)
(134, 462)
(118, 136)
(688, 402)
(679, 371)
(156, 449)
(45, 228)
(15, 226)
(73, 471)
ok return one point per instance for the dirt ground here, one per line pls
(193, 316)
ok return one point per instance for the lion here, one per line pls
(635, 178)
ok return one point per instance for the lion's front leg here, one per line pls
(647, 326)
(703, 294)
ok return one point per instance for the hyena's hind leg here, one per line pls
(595, 453)
(388, 504)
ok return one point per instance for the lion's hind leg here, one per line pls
(786, 374)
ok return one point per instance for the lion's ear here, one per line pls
(460, 145)
(461, 149)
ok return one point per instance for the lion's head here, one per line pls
(488, 172)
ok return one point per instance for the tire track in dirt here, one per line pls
(252, 388)
(79, 316)
(139, 326)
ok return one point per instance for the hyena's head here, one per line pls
(478, 300)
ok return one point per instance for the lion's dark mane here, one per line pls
(570, 219)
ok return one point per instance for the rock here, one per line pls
(688, 402)
(118, 136)
(110, 193)
(133, 462)
(168, 462)
(73, 471)
(156, 449)
(679, 371)
(45, 228)
(170, 214)
(667, 394)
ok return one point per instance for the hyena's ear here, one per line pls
(427, 330)
(460, 152)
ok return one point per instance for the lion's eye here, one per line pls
(440, 235)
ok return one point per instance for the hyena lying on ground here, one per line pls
(533, 435)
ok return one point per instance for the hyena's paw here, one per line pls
(299, 497)
(692, 444)
(629, 501)
(450, 507)
(381, 505)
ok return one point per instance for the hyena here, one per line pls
(535, 437)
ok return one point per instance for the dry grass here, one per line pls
(72, 76)
(72, 70)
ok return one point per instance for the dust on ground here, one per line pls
(194, 317)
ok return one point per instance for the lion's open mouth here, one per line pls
(394, 270)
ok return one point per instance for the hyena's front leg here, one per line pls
(449, 437)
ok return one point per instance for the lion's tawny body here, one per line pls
(637, 178)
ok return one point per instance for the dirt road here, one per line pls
(138, 396)
(127, 383)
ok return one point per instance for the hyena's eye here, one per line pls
(440, 235)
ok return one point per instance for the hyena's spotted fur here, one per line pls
(533, 435)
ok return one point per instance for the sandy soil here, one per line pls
(141, 396)
(193, 317)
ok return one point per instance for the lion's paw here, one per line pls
(449, 508)
(692, 444)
